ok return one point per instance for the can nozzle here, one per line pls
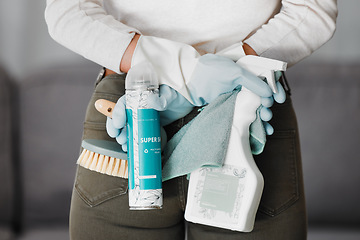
(141, 76)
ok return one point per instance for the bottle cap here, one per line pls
(141, 77)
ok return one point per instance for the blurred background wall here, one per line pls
(25, 45)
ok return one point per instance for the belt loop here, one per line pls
(100, 76)
(285, 83)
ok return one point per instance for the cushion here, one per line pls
(52, 109)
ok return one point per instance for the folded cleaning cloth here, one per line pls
(203, 141)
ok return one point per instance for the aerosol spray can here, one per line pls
(144, 139)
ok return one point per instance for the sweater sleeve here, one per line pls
(84, 27)
(301, 27)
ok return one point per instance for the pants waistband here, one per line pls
(283, 80)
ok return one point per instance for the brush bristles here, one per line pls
(103, 164)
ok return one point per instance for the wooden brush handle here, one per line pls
(105, 107)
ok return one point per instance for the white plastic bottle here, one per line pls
(228, 197)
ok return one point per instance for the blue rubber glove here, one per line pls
(265, 112)
(215, 75)
(171, 105)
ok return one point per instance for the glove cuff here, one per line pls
(173, 62)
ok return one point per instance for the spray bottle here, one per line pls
(228, 197)
(144, 139)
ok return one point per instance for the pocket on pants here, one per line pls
(95, 188)
(279, 167)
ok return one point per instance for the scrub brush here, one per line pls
(101, 155)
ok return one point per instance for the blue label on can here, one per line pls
(130, 144)
(149, 149)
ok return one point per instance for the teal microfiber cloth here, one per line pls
(203, 141)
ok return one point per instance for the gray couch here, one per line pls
(40, 129)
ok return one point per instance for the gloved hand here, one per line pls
(269, 70)
(215, 75)
(200, 79)
(211, 82)
(266, 103)
(171, 104)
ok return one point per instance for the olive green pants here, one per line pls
(100, 210)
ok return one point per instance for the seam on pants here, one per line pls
(181, 193)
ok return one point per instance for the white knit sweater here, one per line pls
(101, 30)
